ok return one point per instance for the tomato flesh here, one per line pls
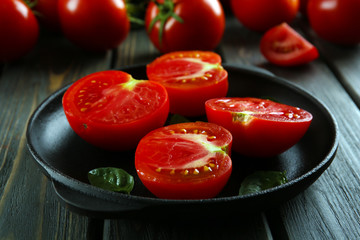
(185, 161)
(261, 128)
(283, 46)
(113, 111)
(191, 78)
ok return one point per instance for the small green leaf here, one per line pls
(113, 179)
(177, 118)
(261, 180)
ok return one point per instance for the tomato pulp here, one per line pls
(191, 78)
(185, 161)
(283, 46)
(111, 110)
(260, 128)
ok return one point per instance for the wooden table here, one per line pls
(29, 208)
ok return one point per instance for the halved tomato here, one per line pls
(185, 160)
(260, 128)
(111, 110)
(283, 46)
(191, 78)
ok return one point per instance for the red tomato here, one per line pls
(191, 78)
(19, 30)
(260, 128)
(111, 110)
(93, 24)
(303, 7)
(282, 45)
(185, 161)
(48, 13)
(175, 25)
(261, 15)
(337, 21)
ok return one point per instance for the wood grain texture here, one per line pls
(29, 208)
(330, 208)
(239, 227)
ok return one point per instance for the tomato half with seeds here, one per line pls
(112, 110)
(260, 127)
(283, 46)
(191, 78)
(185, 161)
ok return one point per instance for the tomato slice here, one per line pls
(260, 128)
(191, 78)
(283, 46)
(185, 160)
(111, 110)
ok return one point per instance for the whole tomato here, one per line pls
(19, 30)
(175, 25)
(303, 7)
(261, 15)
(92, 24)
(47, 13)
(337, 21)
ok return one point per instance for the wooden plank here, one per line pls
(29, 208)
(328, 209)
(343, 61)
(241, 227)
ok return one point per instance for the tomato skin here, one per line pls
(261, 134)
(108, 115)
(303, 7)
(19, 30)
(94, 25)
(48, 14)
(188, 94)
(283, 46)
(202, 28)
(173, 162)
(261, 15)
(337, 21)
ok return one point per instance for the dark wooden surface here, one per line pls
(29, 208)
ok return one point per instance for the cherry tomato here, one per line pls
(303, 7)
(19, 30)
(175, 25)
(261, 15)
(185, 160)
(191, 78)
(93, 24)
(260, 128)
(282, 45)
(111, 110)
(337, 21)
(47, 14)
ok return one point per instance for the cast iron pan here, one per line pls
(66, 159)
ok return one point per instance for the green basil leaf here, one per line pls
(177, 118)
(113, 179)
(261, 180)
